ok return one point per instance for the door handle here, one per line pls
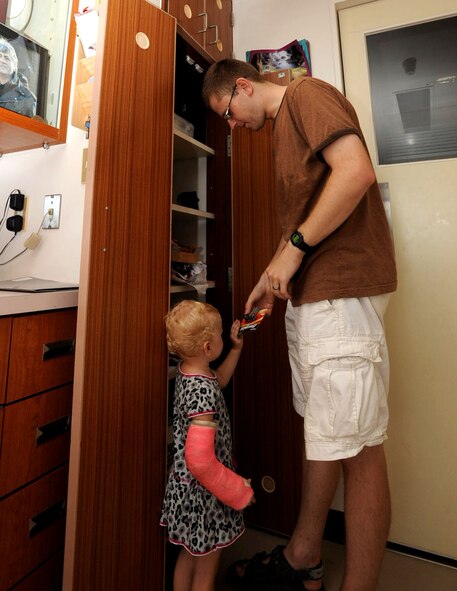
(46, 518)
(58, 348)
(52, 430)
(205, 21)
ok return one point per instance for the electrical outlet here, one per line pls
(51, 220)
(24, 213)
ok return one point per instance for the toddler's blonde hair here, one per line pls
(189, 324)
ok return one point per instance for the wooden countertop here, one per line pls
(12, 302)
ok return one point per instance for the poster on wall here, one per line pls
(295, 56)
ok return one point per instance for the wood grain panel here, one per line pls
(222, 18)
(5, 338)
(47, 577)
(19, 549)
(24, 458)
(193, 25)
(29, 371)
(119, 544)
(267, 432)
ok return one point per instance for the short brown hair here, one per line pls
(189, 324)
(221, 76)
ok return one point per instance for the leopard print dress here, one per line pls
(195, 518)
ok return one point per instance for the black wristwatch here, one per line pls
(297, 240)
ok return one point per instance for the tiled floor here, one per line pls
(399, 572)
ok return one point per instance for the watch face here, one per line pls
(296, 238)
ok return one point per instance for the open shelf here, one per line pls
(185, 147)
(189, 211)
(184, 288)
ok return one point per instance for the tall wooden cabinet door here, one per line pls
(219, 36)
(5, 338)
(191, 15)
(121, 380)
(268, 434)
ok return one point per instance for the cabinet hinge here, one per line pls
(232, 20)
(229, 278)
(229, 145)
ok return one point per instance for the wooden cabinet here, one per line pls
(118, 453)
(19, 132)
(35, 415)
(268, 434)
(209, 22)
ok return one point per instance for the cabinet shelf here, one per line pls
(186, 147)
(184, 288)
(189, 211)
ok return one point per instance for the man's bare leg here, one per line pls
(367, 517)
(319, 483)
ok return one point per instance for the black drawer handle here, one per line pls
(58, 348)
(53, 429)
(46, 518)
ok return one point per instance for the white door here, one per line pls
(421, 320)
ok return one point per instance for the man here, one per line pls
(335, 265)
(14, 92)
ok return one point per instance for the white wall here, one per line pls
(38, 173)
(268, 24)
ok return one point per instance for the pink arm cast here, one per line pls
(226, 485)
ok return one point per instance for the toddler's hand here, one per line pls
(237, 339)
(247, 482)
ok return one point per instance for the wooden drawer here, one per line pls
(36, 437)
(47, 577)
(5, 337)
(32, 525)
(42, 352)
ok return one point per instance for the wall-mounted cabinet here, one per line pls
(38, 43)
(208, 21)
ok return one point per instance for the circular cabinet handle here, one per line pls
(268, 484)
(219, 4)
(187, 11)
(142, 40)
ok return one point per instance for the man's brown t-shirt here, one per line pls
(357, 259)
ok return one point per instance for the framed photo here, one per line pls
(23, 74)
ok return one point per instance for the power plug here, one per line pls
(14, 223)
(17, 201)
(32, 241)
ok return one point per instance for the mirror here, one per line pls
(33, 43)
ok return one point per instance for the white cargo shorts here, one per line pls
(340, 374)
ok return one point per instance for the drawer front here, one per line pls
(42, 352)
(5, 338)
(47, 577)
(32, 522)
(36, 437)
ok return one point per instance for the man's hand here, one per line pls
(281, 270)
(261, 296)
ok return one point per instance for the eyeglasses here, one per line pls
(227, 115)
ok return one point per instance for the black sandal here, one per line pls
(276, 575)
